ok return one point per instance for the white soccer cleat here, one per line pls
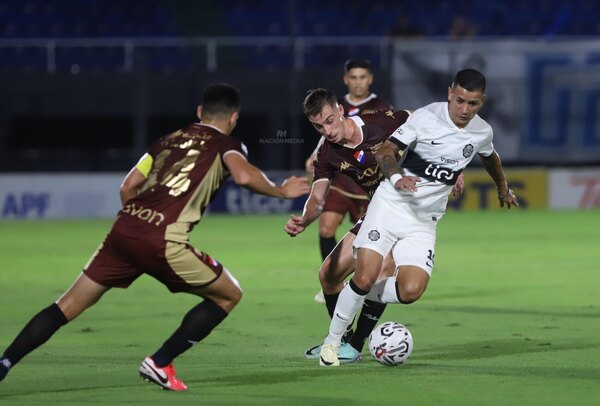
(329, 355)
(319, 297)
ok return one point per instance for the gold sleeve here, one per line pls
(145, 164)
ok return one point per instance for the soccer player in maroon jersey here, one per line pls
(164, 196)
(349, 147)
(345, 196)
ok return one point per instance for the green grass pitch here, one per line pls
(511, 317)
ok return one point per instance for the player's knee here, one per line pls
(236, 296)
(230, 299)
(326, 274)
(365, 280)
(411, 291)
(327, 230)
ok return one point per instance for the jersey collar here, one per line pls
(360, 103)
(211, 126)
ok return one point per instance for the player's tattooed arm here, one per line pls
(386, 158)
(388, 165)
(493, 166)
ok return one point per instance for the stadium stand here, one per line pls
(106, 19)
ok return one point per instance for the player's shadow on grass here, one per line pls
(500, 348)
(285, 375)
(589, 312)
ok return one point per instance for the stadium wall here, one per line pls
(62, 196)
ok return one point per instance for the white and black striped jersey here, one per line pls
(437, 151)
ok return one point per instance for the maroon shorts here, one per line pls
(354, 230)
(120, 259)
(345, 196)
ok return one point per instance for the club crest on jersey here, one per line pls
(468, 150)
(374, 235)
(360, 156)
(353, 111)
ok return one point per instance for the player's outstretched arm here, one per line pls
(493, 166)
(312, 209)
(388, 165)
(249, 176)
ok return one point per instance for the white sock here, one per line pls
(348, 304)
(384, 291)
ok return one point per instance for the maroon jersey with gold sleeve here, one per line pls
(358, 162)
(187, 171)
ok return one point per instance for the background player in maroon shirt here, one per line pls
(345, 196)
(163, 197)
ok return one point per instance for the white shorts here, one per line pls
(396, 228)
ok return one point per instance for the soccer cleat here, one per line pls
(313, 352)
(164, 377)
(346, 353)
(329, 355)
(319, 298)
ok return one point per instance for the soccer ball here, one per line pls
(390, 343)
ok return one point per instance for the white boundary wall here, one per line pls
(56, 196)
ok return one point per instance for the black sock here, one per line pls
(327, 245)
(196, 324)
(330, 302)
(367, 320)
(4, 367)
(39, 329)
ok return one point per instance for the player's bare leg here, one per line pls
(82, 294)
(328, 224)
(337, 266)
(220, 297)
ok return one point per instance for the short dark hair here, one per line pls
(315, 100)
(219, 99)
(357, 63)
(470, 79)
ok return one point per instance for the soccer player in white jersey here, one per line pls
(403, 214)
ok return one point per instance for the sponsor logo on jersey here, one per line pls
(360, 156)
(467, 150)
(370, 171)
(353, 112)
(428, 170)
(344, 165)
(149, 215)
(449, 161)
(439, 173)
